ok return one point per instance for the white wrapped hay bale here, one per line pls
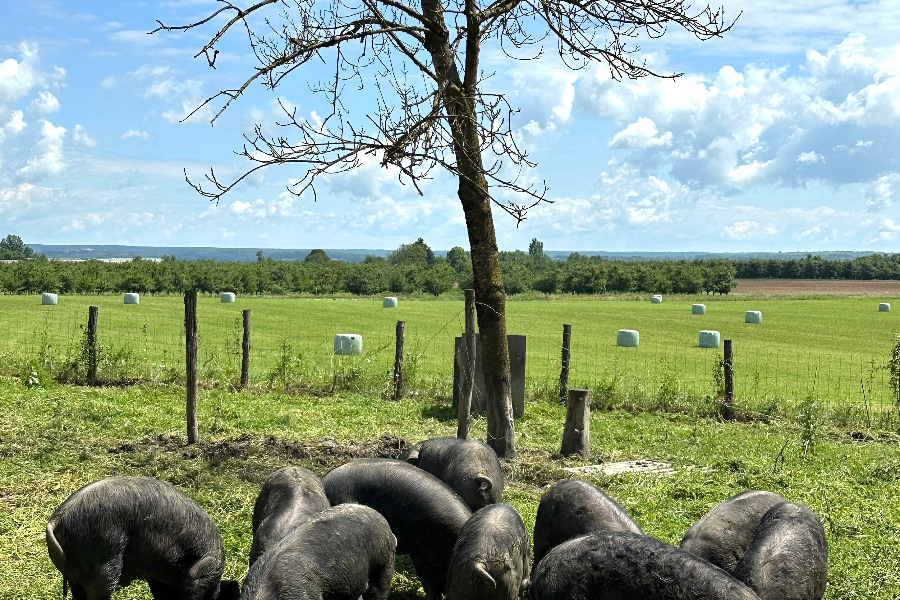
(346, 344)
(657, 299)
(389, 302)
(132, 298)
(628, 338)
(709, 339)
(227, 297)
(753, 316)
(698, 309)
(48, 299)
(883, 307)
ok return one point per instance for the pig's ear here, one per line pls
(229, 590)
(484, 484)
(481, 572)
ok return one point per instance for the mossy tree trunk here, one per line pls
(459, 104)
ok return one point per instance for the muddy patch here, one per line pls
(320, 455)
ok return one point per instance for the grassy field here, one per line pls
(53, 440)
(827, 350)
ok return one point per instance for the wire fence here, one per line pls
(292, 348)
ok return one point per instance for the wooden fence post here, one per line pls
(190, 346)
(467, 369)
(92, 345)
(398, 361)
(245, 352)
(577, 431)
(728, 406)
(564, 370)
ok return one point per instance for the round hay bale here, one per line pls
(753, 316)
(48, 299)
(227, 297)
(389, 302)
(884, 307)
(628, 338)
(346, 344)
(698, 309)
(709, 339)
(657, 299)
(132, 298)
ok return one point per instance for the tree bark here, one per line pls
(459, 104)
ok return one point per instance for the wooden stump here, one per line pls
(577, 431)
(398, 362)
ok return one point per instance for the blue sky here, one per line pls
(784, 135)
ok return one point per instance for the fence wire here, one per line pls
(292, 348)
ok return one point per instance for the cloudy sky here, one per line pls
(784, 135)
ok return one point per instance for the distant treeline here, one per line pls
(873, 266)
(412, 268)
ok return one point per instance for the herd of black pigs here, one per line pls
(441, 504)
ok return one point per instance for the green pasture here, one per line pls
(56, 439)
(831, 351)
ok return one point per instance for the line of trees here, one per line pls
(410, 269)
(874, 266)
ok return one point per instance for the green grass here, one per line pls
(59, 438)
(824, 349)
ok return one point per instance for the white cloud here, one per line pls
(745, 230)
(641, 134)
(20, 198)
(80, 136)
(80, 224)
(108, 83)
(135, 133)
(16, 123)
(626, 200)
(760, 125)
(17, 78)
(881, 193)
(45, 104)
(282, 206)
(240, 208)
(50, 160)
(227, 235)
(809, 158)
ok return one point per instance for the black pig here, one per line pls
(116, 530)
(289, 496)
(621, 565)
(341, 553)
(572, 508)
(492, 557)
(788, 558)
(470, 467)
(725, 532)
(424, 514)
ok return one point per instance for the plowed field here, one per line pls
(792, 287)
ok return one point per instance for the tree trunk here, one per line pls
(490, 298)
(490, 295)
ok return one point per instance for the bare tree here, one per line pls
(420, 59)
